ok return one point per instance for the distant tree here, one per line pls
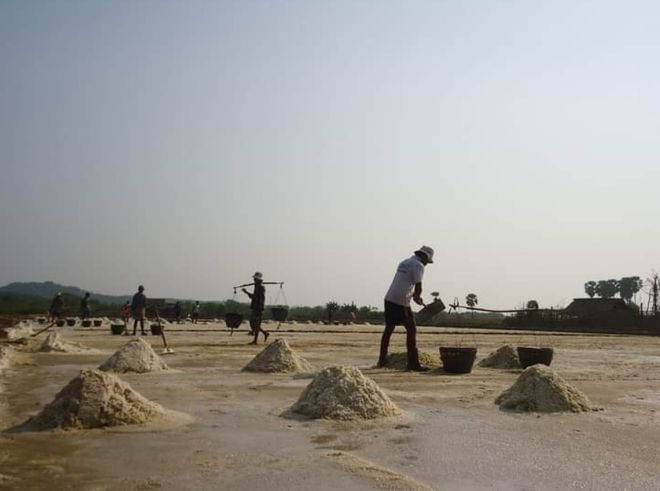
(607, 288)
(349, 311)
(590, 288)
(331, 308)
(471, 299)
(532, 305)
(629, 286)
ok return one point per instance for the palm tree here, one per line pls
(471, 300)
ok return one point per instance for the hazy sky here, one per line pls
(186, 144)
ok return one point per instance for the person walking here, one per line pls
(195, 312)
(56, 307)
(177, 312)
(139, 309)
(86, 307)
(407, 284)
(125, 313)
(258, 301)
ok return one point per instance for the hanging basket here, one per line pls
(117, 329)
(156, 329)
(86, 323)
(71, 322)
(60, 323)
(233, 320)
(457, 360)
(98, 322)
(279, 313)
(533, 356)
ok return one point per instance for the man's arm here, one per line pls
(247, 293)
(417, 294)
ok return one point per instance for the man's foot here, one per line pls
(253, 342)
(418, 368)
(381, 364)
(266, 334)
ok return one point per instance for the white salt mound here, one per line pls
(55, 342)
(136, 356)
(399, 361)
(6, 357)
(540, 389)
(344, 393)
(96, 399)
(278, 357)
(503, 357)
(22, 330)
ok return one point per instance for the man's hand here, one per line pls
(245, 291)
(418, 300)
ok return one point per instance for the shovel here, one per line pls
(167, 350)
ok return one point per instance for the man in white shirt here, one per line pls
(406, 285)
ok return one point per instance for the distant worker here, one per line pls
(177, 312)
(407, 284)
(125, 313)
(195, 312)
(56, 307)
(257, 306)
(139, 309)
(86, 307)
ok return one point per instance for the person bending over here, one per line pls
(407, 284)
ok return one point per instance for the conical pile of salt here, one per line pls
(55, 342)
(95, 399)
(399, 361)
(503, 357)
(278, 357)
(136, 356)
(344, 393)
(540, 389)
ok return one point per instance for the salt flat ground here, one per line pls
(452, 437)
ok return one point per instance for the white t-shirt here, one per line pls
(408, 274)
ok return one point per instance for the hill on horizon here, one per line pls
(48, 289)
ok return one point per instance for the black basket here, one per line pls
(534, 356)
(117, 329)
(41, 320)
(86, 323)
(156, 329)
(98, 322)
(279, 313)
(60, 322)
(71, 322)
(457, 360)
(233, 320)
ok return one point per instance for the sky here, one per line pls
(186, 144)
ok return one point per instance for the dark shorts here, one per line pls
(255, 320)
(395, 314)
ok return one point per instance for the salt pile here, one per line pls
(399, 361)
(95, 399)
(55, 342)
(344, 393)
(540, 389)
(135, 356)
(6, 356)
(22, 330)
(278, 357)
(503, 357)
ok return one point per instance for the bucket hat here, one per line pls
(427, 251)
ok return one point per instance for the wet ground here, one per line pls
(452, 436)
